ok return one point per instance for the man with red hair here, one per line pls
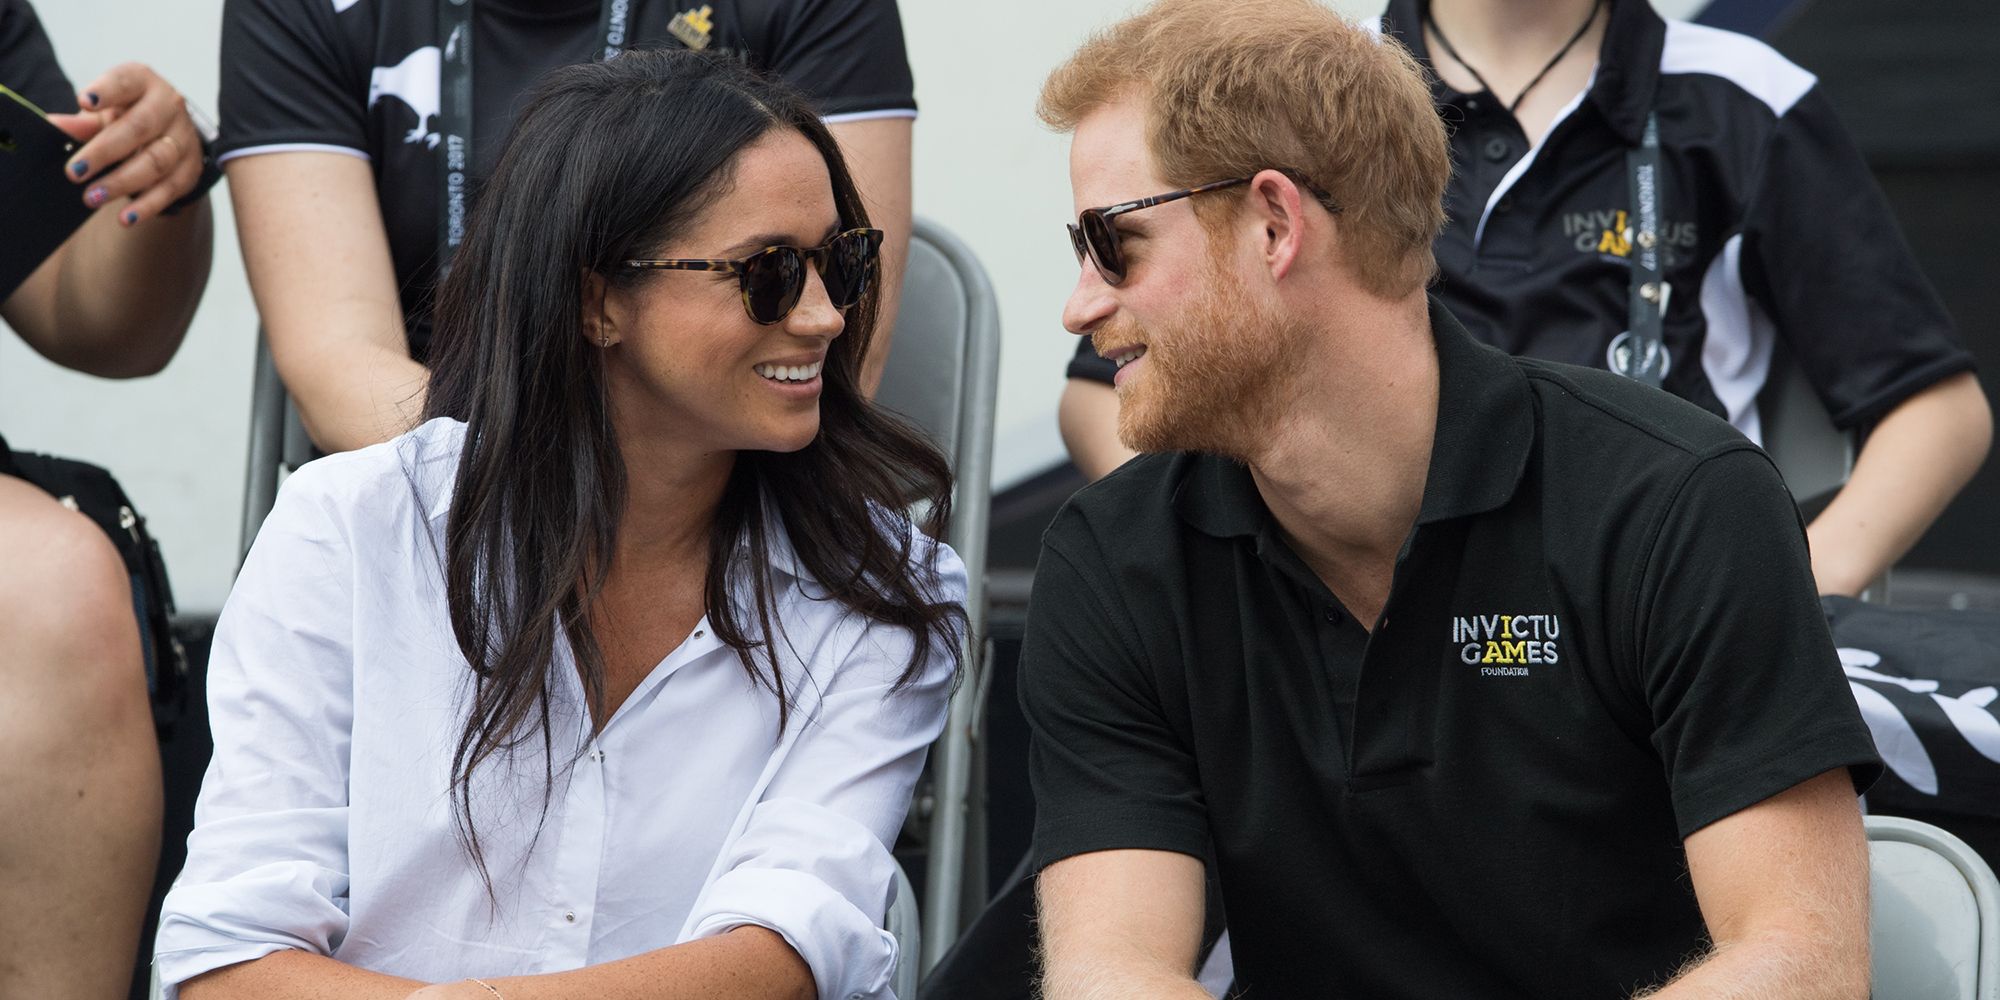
(1465, 675)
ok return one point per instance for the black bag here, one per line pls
(91, 491)
(1927, 682)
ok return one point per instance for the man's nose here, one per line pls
(1090, 303)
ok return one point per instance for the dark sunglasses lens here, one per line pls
(850, 260)
(1103, 247)
(772, 281)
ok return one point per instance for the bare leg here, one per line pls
(79, 766)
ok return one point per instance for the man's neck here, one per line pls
(1343, 471)
(1508, 35)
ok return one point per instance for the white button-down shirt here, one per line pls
(337, 692)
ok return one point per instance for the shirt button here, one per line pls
(569, 916)
(1472, 104)
(1497, 149)
(1332, 614)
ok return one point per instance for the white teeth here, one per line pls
(790, 373)
(1124, 358)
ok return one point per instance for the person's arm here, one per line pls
(266, 879)
(117, 297)
(1914, 462)
(1121, 924)
(1783, 887)
(1763, 788)
(1824, 257)
(1088, 417)
(297, 975)
(325, 285)
(878, 155)
(747, 963)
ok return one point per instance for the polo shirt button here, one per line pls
(1497, 149)
(569, 916)
(1332, 614)
(1472, 104)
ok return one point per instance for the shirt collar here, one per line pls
(1485, 430)
(1628, 63)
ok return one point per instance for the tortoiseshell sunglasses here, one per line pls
(774, 278)
(1095, 239)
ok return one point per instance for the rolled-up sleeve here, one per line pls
(812, 860)
(267, 862)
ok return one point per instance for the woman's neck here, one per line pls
(672, 494)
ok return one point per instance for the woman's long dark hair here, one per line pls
(608, 162)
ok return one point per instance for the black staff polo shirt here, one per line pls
(1602, 636)
(1776, 236)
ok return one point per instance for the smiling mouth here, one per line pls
(791, 373)
(1127, 355)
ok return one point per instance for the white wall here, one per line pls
(984, 168)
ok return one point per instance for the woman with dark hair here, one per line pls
(614, 676)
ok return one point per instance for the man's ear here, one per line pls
(599, 327)
(1279, 210)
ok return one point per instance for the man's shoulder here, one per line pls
(1126, 509)
(1586, 410)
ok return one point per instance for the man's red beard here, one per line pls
(1212, 377)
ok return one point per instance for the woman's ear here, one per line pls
(598, 325)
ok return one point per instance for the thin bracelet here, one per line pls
(488, 987)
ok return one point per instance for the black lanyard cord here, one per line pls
(454, 32)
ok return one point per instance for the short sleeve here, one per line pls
(28, 62)
(1823, 254)
(811, 861)
(286, 80)
(1108, 769)
(1086, 364)
(267, 866)
(1735, 661)
(846, 55)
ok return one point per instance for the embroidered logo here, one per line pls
(1608, 234)
(693, 27)
(1507, 645)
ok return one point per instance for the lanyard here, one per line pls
(454, 31)
(1644, 354)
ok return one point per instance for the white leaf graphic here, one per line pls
(1979, 726)
(1896, 741)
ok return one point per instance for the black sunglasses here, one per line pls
(1093, 237)
(774, 278)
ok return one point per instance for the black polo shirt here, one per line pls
(1776, 233)
(1603, 636)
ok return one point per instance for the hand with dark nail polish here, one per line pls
(131, 218)
(95, 197)
(79, 168)
(92, 98)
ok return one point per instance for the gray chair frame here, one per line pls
(1898, 969)
(943, 374)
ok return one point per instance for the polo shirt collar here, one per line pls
(1485, 430)
(1628, 63)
